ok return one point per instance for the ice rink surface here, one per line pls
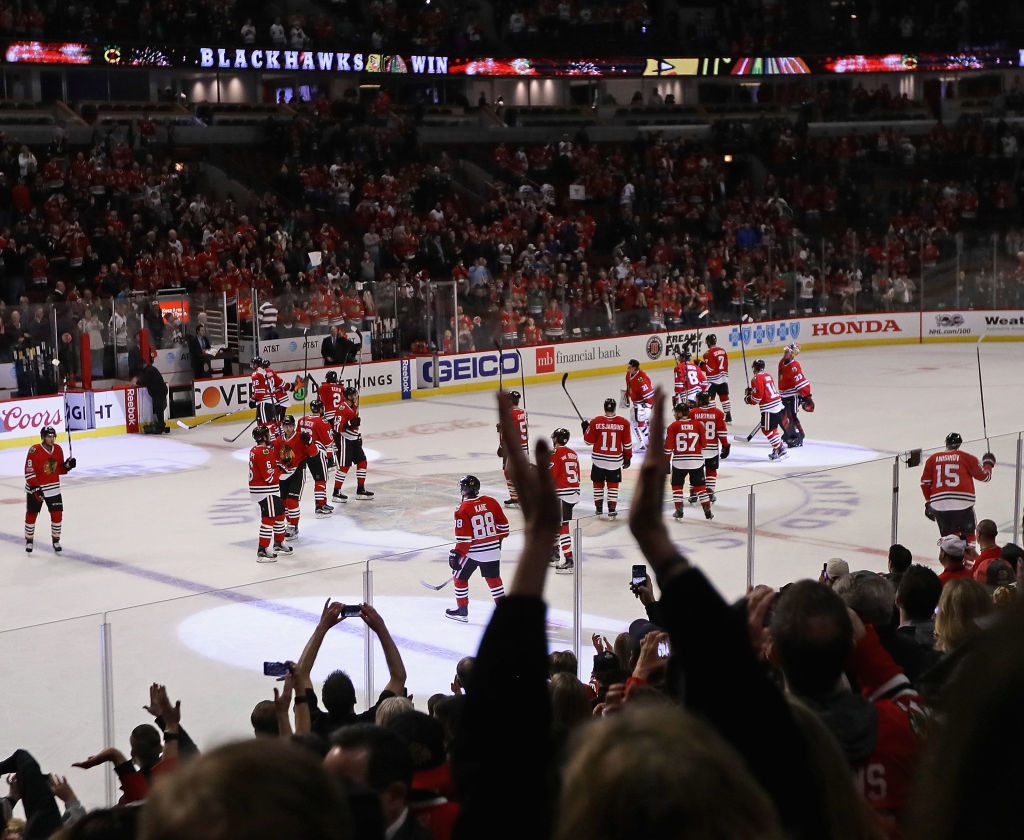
(160, 541)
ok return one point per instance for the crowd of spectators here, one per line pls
(545, 27)
(669, 229)
(864, 704)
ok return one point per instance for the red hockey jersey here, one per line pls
(611, 439)
(480, 526)
(764, 393)
(792, 380)
(331, 395)
(690, 380)
(565, 470)
(948, 479)
(716, 365)
(712, 420)
(43, 469)
(638, 387)
(522, 421)
(264, 472)
(321, 438)
(684, 444)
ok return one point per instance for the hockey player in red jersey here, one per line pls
(565, 470)
(795, 390)
(611, 439)
(265, 490)
(522, 421)
(762, 392)
(948, 486)
(264, 389)
(293, 453)
(480, 526)
(347, 422)
(716, 441)
(44, 465)
(716, 366)
(319, 437)
(639, 393)
(690, 380)
(331, 394)
(684, 448)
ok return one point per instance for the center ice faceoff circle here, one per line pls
(120, 455)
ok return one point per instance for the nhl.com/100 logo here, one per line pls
(655, 347)
(765, 333)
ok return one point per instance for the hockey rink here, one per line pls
(160, 541)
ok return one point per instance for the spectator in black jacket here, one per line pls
(153, 381)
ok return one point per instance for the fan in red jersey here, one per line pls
(762, 392)
(716, 365)
(684, 447)
(44, 465)
(795, 390)
(522, 421)
(640, 393)
(265, 490)
(319, 437)
(716, 441)
(565, 470)
(611, 439)
(480, 526)
(948, 486)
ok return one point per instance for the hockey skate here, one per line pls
(281, 548)
(29, 546)
(291, 532)
(265, 555)
(511, 503)
(728, 417)
(777, 453)
(458, 614)
(678, 514)
(338, 496)
(363, 494)
(599, 508)
(707, 512)
(323, 511)
(56, 546)
(565, 568)
(712, 498)
(612, 513)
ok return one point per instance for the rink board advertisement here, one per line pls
(91, 413)
(970, 325)
(219, 396)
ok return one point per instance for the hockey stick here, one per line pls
(497, 346)
(436, 588)
(522, 376)
(305, 369)
(749, 437)
(67, 418)
(236, 437)
(743, 349)
(359, 371)
(211, 419)
(981, 388)
(564, 377)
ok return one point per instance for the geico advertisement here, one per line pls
(219, 396)
(463, 369)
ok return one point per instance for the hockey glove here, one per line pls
(748, 396)
(928, 512)
(501, 452)
(70, 464)
(625, 463)
(807, 403)
(454, 560)
(585, 425)
(353, 424)
(726, 449)
(252, 403)
(988, 460)
(306, 438)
